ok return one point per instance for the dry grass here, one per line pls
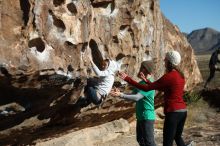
(196, 113)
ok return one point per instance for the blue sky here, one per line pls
(190, 15)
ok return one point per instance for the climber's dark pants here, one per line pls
(211, 74)
(212, 70)
(92, 95)
(173, 128)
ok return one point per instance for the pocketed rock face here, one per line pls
(56, 33)
(38, 37)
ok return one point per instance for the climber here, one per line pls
(213, 66)
(144, 106)
(99, 87)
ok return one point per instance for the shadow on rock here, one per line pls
(212, 96)
(24, 97)
(33, 101)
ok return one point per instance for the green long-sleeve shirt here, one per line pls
(144, 103)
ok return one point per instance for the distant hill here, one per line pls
(204, 40)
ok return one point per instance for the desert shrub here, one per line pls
(191, 97)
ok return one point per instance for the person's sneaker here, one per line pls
(82, 102)
(192, 143)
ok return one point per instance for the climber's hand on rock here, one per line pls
(122, 75)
